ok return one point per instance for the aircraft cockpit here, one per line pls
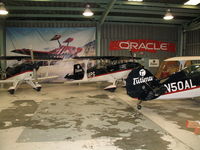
(192, 71)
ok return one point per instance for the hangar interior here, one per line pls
(68, 116)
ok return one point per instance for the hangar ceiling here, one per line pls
(148, 11)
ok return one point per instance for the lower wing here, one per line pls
(83, 81)
(47, 77)
(6, 81)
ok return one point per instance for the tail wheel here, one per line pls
(38, 89)
(11, 91)
(139, 106)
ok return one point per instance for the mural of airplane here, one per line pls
(143, 85)
(63, 51)
(23, 73)
(108, 68)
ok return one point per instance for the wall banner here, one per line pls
(60, 42)
(142, 45)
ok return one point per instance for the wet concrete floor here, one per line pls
(85, 117)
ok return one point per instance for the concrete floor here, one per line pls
(85, 117)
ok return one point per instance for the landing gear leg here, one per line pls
(13, 88)
(35, 85)
(139, 106)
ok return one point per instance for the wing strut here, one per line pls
(85, 69)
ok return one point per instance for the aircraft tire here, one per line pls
(38, 89)
(139, 107)
(12, 91)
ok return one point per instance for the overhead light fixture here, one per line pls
(192, 2)
(3, 10)
(135, 0)
(87, 12)
(168, 15)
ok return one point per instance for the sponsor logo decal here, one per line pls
(142, 72)
(142, 45)
(91, 74)
(78, 69)
(142, 79)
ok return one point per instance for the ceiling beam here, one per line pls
(120, 2)
(152, 8)
(39, 23)
(153, 12)
(109, 7)
(62, 1)
(192, 27)
(165, 5)
(41, 8)
(145, 19)
(51, 16)
(108, 18)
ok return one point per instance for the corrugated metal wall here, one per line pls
(192, 43)
(111, 31)
(130, 31)
(134, 31)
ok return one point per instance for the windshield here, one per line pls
(167, 68)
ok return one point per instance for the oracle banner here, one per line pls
(142, 45)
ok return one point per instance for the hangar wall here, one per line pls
(192, 43)
(119, 31)
(137, 31)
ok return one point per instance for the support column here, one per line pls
(184, 42)
(180, 41)
(2, 42)
(98, 39)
